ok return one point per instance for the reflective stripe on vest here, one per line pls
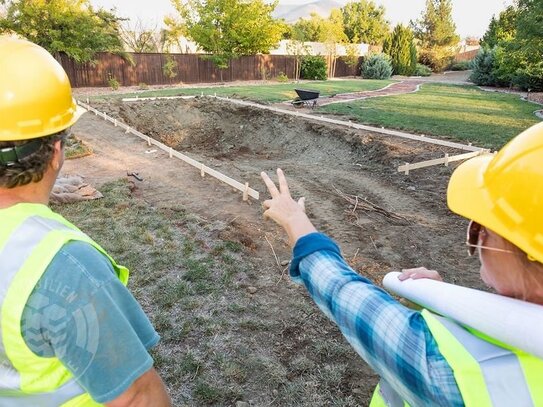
(500, 377)
(486, 374)
(500, 367)
(30, 237)
(13, 256)
(56, 398)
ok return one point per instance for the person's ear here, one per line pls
(58, 155)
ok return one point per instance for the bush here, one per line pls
(483, 68)
(282, 77)
(461, 66)
(377, 66)
(422, 70)
(112, 82)
(143, 86)
(169, 68)
(313, 67)
(529, 78)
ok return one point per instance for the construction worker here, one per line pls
(71, 333)
(424, 359)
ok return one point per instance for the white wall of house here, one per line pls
(186, 46)
(319, 48)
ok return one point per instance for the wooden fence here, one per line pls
(466, 56)
(191, 68)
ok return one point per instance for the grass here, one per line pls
(76, 148)
(267, 93)
(463, 113)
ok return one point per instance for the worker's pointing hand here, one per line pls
(284, 210)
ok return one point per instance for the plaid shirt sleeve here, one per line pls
(394, 340)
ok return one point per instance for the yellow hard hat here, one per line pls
(505, 192)
(35, 93)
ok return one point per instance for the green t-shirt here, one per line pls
(81, 313)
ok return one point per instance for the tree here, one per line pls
(228, 28)
(310, 29)
(402, 51)
(137, 38)
(501, 29)
(73, 27)
(365, 22)
(332, 35)
(436, 32)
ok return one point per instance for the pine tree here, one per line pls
(401, 48)
(437, 34)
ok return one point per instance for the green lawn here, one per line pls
(464, 113)
(268, 93)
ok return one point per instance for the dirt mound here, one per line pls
(221, 130)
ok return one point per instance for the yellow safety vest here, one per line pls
(488, 373)
(30, 237)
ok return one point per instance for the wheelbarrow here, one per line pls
(306, 98)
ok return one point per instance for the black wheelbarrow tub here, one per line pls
(307, 94)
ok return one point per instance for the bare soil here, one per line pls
(319, 161)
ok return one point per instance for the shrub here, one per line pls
(530, 77)
(461, 66)
(377, 66)
(483, 68)
(143, 86)
(313, 67)
(282, 77)
(169, 68)
(422, 70)
(112, 82)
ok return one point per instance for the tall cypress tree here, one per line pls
(437, 33)
(401, 48)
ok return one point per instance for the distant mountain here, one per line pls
(293, 12)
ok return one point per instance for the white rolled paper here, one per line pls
(514, 322)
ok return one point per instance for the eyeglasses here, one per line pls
(472, 240)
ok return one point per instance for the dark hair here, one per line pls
(31, 168)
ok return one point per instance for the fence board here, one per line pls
(148, 68)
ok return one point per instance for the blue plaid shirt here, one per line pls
(394, 340)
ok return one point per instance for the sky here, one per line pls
(471, 16)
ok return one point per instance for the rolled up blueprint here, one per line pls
(508, 320)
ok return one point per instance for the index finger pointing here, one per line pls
(270, 185)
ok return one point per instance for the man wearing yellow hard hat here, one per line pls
(71, 333)
(424, 359)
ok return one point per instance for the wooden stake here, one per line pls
(446, 160)
(406, 168)
(171, 152)
(246, 192)
(115, 122)
(202, 171)
(148, 140)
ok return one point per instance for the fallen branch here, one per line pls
(364, 204)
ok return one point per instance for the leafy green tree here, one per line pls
(228, 28)
(502, 28)
(365, 22)
(332, 35)
(436, 32)
(73, 27)
(309, 29)
(401, 48)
